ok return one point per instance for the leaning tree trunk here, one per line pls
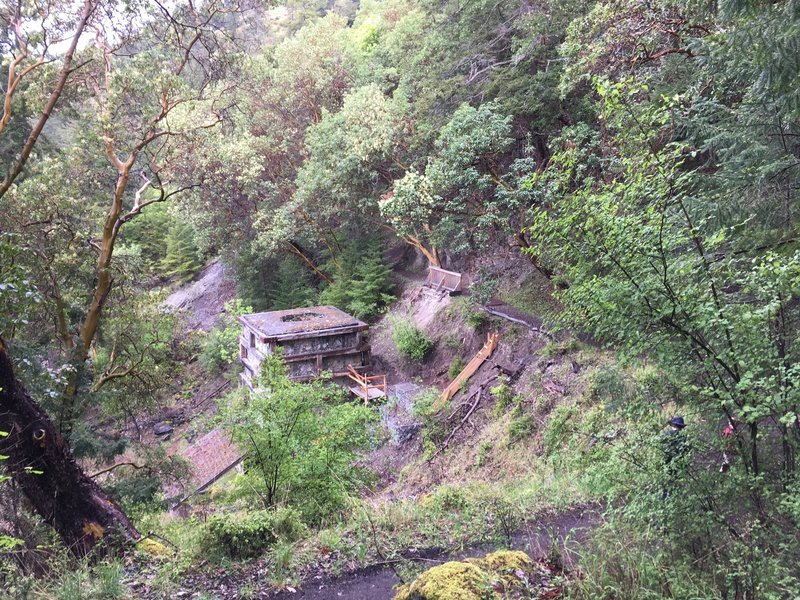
(42, 465)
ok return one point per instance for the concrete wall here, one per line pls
(320, 344)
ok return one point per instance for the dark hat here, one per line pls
(677, 421)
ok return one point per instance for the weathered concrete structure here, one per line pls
(313, 339)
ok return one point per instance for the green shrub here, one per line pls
(560, 347)
(304, 439)
(483, 453)
(282, 559)
(288, 524)
(558, 428)
(428, 449)
(137, 488)
(221, 346)
(410, 341)
(452, 341)
(476, 319)
(609, 385)
(520, 428)
(448, 499)
(241, 535)
(503, 396)
(455, 367)
(433, 428)
(424, 402)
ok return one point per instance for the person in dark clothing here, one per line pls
(676, 449)
(673, 440)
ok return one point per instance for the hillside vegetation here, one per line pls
(617, 183)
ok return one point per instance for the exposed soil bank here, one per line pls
(204, 299)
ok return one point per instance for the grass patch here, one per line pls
(476, 319)
(534, 295)
(455, 367)
(520, 428)
(555, 348)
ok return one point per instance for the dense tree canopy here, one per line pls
(642, 155)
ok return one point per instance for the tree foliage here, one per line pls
(301, 440)
(643, 155)
(679, 246)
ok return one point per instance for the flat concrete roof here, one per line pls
(295, 322)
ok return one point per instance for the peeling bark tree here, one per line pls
(42, 465)
(148, 146)
(16, 73)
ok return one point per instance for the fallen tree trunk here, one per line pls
(478, 395)
(42, 465)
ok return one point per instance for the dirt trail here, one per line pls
(378, 582)
(514, 315)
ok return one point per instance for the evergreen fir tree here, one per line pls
(361, 280)
(182, 257)
(148, 231)
(291, 287)
(370, 284)
(254, 274)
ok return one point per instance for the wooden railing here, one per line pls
(438, 278)
(366, 383)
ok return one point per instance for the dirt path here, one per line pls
(509, 313)
(377, 583)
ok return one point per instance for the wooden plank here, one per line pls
(472, 366)
(372, 394)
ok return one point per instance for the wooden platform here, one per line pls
(439, 279)
(370, 387)
(372, 393)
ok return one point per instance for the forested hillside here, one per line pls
(617, 184)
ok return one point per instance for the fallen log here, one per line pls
(468, 371)
(478, 395)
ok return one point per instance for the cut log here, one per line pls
(40, 462)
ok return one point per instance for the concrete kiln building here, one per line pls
(313, 339)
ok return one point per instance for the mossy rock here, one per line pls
(450, 581)
(512, 567)
(504, 561)
(152, 547)
(503, 574)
